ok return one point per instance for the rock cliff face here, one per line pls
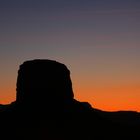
(45, 109)
(43, 82)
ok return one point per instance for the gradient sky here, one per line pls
(99, 41)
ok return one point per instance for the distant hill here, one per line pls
(124, 117)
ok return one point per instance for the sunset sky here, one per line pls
(98, 40)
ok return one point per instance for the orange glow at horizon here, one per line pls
(113, 98)
(8, 96)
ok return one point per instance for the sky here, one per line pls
(98, 40)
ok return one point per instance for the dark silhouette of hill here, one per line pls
(45, 109)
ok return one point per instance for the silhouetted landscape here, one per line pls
(45, 109)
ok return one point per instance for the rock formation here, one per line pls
(45, 109)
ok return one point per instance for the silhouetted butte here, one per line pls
(43, 82)
(45, 109)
